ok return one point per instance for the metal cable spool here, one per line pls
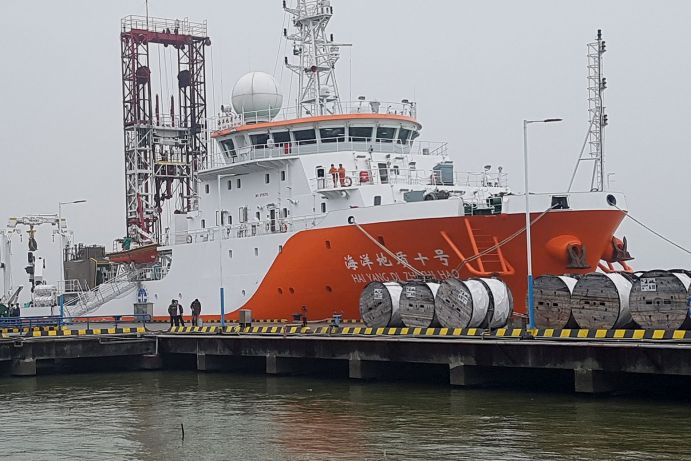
(379, 304)
(602, 301)
(461, 304)
(659, 299)
(501, 302)
(552, 301)
(416, 306)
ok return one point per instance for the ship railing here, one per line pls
(230, 119)
(178, 26)
(72, 286)
(408, 177)
(217, 159)
(88, 301)
(254, 228)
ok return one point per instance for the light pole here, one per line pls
(529, 247)
(62, 255)
(220, 250)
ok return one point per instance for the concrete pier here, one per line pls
(24, 367)
(364, 369)
(467, 375)
(577, 362)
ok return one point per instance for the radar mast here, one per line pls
(316, 55)
(598, 119)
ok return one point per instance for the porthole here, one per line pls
(611, 200)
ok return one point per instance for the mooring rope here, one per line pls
(628, 214)
(400, 260)
(484, 252)
(503, 242)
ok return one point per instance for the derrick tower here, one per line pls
(165, 136)
(316, 55)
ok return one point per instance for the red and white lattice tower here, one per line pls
(162, 151)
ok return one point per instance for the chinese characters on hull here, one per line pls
(381, 268)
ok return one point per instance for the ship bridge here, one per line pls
(366, 126)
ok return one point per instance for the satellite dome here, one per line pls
(257, 96)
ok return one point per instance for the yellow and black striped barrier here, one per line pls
(15, 330)
(447, 332)
(87, 331)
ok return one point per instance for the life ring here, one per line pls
(347, 181)
(284, 227)
(189, 238)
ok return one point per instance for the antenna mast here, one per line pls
(317, 55)
(594, 139)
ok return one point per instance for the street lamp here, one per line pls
(62, 255)
(529, 249)
(220, 249)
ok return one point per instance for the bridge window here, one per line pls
(360, 133)
(281, 137)
(259, 140)
(305, 136)
(403, 136)
(385, 134)
(414, 135)
(332, 134)
(228, 146)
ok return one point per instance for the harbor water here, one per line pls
(141, 416)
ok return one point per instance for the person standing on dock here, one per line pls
(180, 311)
(173, 312)
(196, 308)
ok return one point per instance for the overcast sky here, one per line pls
(476, 69)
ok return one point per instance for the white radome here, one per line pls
(257, 96)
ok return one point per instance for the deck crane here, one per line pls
(35, 264)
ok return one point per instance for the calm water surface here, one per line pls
(138, 416)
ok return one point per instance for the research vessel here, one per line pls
(294, 208)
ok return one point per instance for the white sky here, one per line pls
(476, 69)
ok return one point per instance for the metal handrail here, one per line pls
(179, 26)
(355, 178)
(373, 107)
(254, 228)
(282, 150)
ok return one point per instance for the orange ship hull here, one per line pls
(325, 270)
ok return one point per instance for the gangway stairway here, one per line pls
(88, 301)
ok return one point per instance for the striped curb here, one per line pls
(449, 332)
(88, 332)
